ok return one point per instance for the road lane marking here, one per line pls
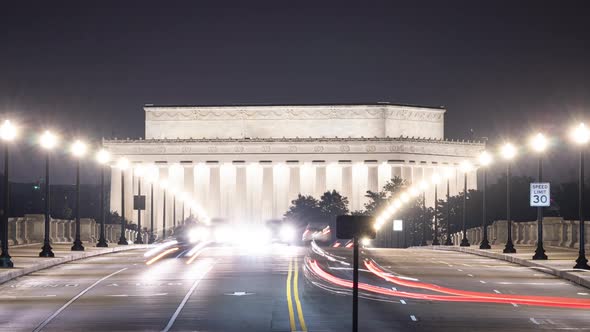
(402, 301)
(55, 314)
(186, 297)
(297, 301)
(413, 318)
(289, 301)
(496, 291)
(534, 321)
(164, 253)
(582, 293)
(483, 282)
(514, 305)
(470, 275)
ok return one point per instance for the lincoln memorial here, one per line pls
(246, 163)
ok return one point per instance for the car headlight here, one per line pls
(287, 233)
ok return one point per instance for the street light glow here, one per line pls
(485, 158)
(539, 142)
(435, 178)
(123, 163)
(423, 185)
(139, 170)
(580, 134)
(103, 156)
(508, 151)
(8, 131)
(48, 140)
(414, 192)
(466, 166)
(164, 184)
(78, 149)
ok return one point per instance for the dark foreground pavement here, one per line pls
(234, 289)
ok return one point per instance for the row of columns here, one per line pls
(256, 192)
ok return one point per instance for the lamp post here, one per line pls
(581, 136)
(164, 186)
(435, 181)
(123, 164)
(485, 159)
(8, 133)
(539, 144)
(508, 153)
(448, 173)
(173, 208)
(78, 151)
(48, 141)
(465, 168)
(423, 186)
(102, 157)
(139, 172)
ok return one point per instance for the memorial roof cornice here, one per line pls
(188, 106)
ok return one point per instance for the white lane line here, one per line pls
(185, 299)
(534, 321)
(50, 318)
(402, 301)
(459, 270)
(393, 288)
(496, 291)
(413, 318)
(582, 293)
(514, 305)
(483, 282)
(470, 275)
(138, 295)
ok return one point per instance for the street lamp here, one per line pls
(8, 133)
(78, 150)
(485, 159)
(164, 186)
(435, 181)
(466, 167)
(448, 173)
(151, 178)
(581, 136)
(48, 141)
(139, 173)
(123, 164)
(423, 186)
(103, 157)
(539, 143)
(508, 152)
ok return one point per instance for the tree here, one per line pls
(304, 209)
(332, 205)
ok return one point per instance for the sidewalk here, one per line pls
(26, 258)
(560, 262)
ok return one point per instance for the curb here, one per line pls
(570, 276)
(50, 262)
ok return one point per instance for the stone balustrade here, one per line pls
(556, 232)
(31, 229)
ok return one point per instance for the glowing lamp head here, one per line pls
(123, 163)
(48, 140)
(539, 143)
(397, 204)
(423, 185)
(404, 197)
(448, 172)
(164, 184)
(8, 131)
(365, 241)
(485, 158)
(414, 192)
(103, 156)
(79, 149)
(435, 178)
(466, 166)
(580, 134)
(508, 151)
(139, 170)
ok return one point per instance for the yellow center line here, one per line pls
(297, 302)
(289, 301)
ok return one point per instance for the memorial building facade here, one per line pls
(246, 163)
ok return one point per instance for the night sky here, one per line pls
(502, 68)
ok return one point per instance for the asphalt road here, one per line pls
(273, 289)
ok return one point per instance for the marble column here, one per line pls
(163, 172)
(407, 174)
(347, 181)
(240, 190)
(294, 180)
(427, 174)
(396, 171)
(267, 192)
(189, 186)
(115, 201)
(372, 176)
(129, 212)
(214, 191)
(320, 179)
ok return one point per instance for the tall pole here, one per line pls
(122, 239)
(173, 211)
(46, 250)
(540, 251)
(102, 241)
(448, 242)
(5, 260)
(152, 237)
(355, 285)
(435, 241)
(77, 242)
(464, 240)
(581, 261)
(139, 238)
(183, 218)
(425, 219)
(509, 248)
(164, 216)
(485, 243)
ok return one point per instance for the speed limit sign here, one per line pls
(540, 194)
